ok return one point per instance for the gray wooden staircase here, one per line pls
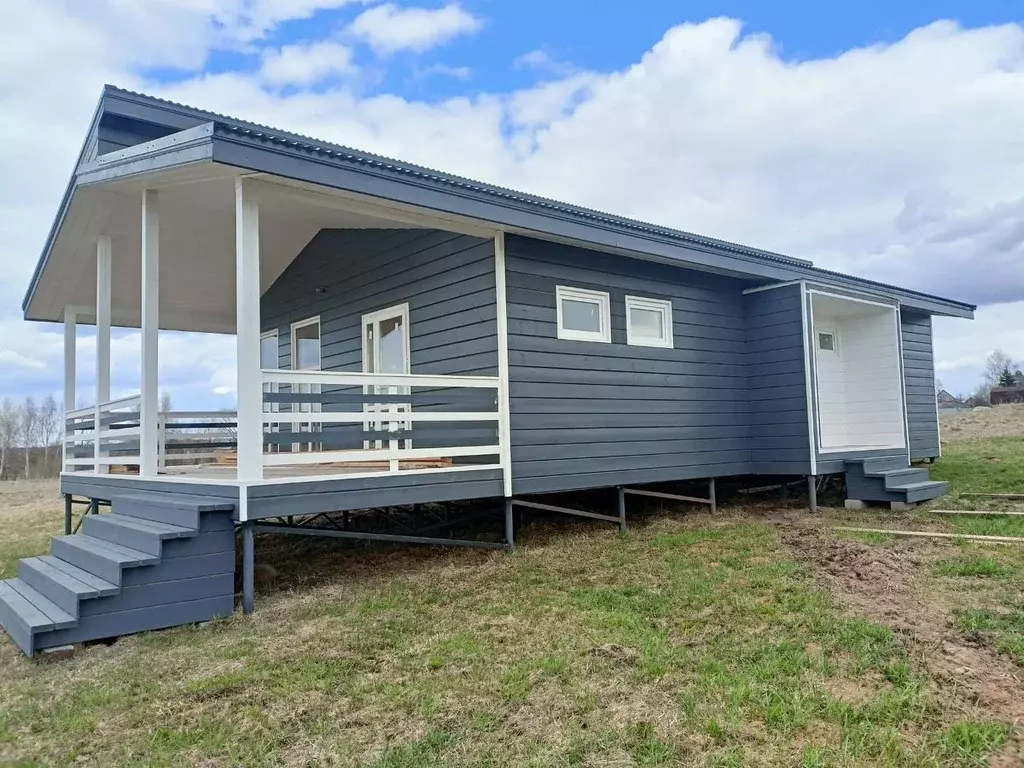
(891, 479)
(155, 561)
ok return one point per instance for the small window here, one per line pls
(306, 345)
(826, 341)
(648, 322)
(583, 315)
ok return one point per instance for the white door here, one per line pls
(269, 361)
(386, 351)
(306, 357)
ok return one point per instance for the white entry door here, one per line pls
(386, 351)
(306, 357)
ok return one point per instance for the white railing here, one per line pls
(102, 435)
(194, 437)
(323, 417)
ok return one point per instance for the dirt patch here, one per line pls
(878, 583)
(999, 421)
(854, 691)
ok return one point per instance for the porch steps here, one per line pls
(891, 479)
(155, 561)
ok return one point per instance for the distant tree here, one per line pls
(49, 419)
(1018, 378)
(1007, 378)
(997, 362)
(9, 427)
(29, 418)
(165, 402)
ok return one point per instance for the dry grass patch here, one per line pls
(984, 423)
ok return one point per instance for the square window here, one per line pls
(649, 322)
(826, 341)
(583, 315)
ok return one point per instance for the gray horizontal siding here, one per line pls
(777, 383)
(919, 378)
(588, 414)
(448, 281)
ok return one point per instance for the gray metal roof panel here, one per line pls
(298, 143)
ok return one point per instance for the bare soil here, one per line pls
(877, 582)
(1000, 421)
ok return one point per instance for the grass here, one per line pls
(691, 640)
(992, 465)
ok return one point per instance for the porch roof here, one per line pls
(187, 137)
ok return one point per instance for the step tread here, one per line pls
(919, 486)
(108, 549)
(58, 617)
(178, 501)
(25, 611)
(65, 580)
(101, 587)
(165, 530)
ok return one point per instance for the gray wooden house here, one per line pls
(407, 338)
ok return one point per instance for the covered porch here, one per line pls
(195, 249)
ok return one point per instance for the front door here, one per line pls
(386, 351)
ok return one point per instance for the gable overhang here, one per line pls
(194, 147)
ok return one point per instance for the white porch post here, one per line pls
(103, 254)
(103, 250)
(150, 332)
(504, 428)
(247, 332)
(70, 353)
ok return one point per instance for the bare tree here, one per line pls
(995, 365)
(29, 429)
(8, 433)
(165, 402)
(48, 421)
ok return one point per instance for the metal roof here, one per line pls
(307, 146)
(312, 145)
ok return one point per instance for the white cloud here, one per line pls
(459, 73)
(388, 28)
(900, 162)
(306, 64)
(541, 60)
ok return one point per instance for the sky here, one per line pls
(877, 138)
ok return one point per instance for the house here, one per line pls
(408, 338)
(949, 403)
(1006, 395)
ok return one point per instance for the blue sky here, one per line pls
(609, 34)
(876, 138)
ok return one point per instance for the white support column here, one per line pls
(150, 333)
(103, 250)
(504, 424)
(247, 332)
(103, 258)
(70, 354)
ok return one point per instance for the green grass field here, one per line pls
(690, 640)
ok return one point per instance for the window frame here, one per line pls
(603, 301)
(835, 341)
(650, 305)
(315, 320)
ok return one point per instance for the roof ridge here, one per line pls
(237, 125)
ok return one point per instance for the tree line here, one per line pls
(30, 436)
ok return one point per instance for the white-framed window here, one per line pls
(583, 315)
(387, 349)
(649, 322)
(827, 341)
